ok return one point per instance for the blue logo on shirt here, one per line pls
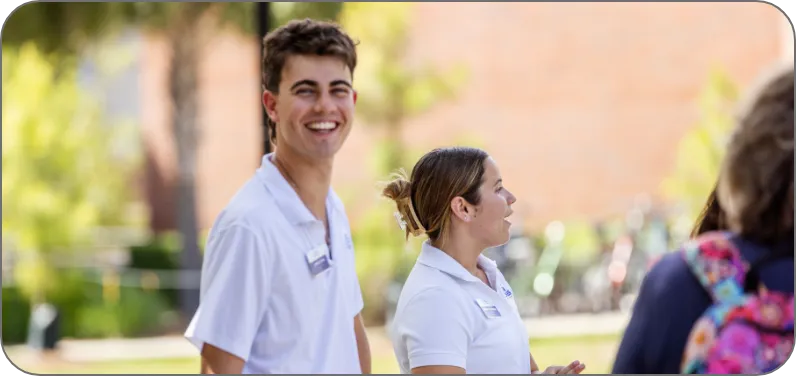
(507, 292)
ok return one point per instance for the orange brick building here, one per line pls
(582, 105)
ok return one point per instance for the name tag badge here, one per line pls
(318, 259)
(489, 310)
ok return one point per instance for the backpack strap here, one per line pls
(783, 250)
(718, 265)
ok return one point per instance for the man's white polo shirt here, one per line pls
(447, 316)
(259, 299)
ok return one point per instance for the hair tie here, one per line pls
(418, 229)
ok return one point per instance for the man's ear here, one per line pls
(269, 102)
(355, 97)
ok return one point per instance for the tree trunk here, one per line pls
(183, 82)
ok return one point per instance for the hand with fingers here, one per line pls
(573, 368)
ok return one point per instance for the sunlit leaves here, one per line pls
(393, 89)
(701, 150)
(59, 179)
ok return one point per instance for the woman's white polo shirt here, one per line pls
(447, 316)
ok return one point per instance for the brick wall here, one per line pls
(581, 105)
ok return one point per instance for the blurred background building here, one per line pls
(607, 121)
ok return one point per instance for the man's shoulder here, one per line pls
(252, 207)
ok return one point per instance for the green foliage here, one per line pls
(137, 313)
(16, 314)
(84, 313)
(66, 28)
(580, 243)
(391, 88)
(59, 182)
(161, 253)
(58, 27)
(281, 13)
(161, 16)
(701, 150)
(383, 255)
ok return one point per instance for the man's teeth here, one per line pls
(322, 126)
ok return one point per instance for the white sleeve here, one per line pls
(356, 290)
(435, 329)
(236, 282)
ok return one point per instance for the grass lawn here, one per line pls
(596, 351)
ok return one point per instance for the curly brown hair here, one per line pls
(303, 37)
(755, 189)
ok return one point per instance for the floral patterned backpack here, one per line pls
(748, 329)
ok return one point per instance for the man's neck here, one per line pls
(310, 179)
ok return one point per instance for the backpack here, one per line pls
(747, 329)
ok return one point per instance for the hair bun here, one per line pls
(399, 189)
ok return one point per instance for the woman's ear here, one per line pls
(461, 209)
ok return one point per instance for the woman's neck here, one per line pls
(462, 251)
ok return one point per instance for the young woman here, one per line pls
(752, 230)
(456, 313)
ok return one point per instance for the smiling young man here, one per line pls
(279, 289)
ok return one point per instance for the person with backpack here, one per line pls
(723, 303)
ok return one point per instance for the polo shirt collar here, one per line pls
(434, 257)
(286, 198)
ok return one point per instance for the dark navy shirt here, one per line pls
(670, 301)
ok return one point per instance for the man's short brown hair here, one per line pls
(303, 37)
(756, 182)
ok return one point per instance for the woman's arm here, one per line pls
(573, 368)
(438, 370)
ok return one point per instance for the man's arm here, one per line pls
(534, 366)
(363, 347)
(217, 361)
(233, 300)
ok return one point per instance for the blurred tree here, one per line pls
(60, 177)
(391, 88)
(281, 12)
(701, 150)
(65, 29)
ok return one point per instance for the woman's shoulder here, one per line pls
(671, 286)
(669, 269)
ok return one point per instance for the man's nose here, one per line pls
(325, 104)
